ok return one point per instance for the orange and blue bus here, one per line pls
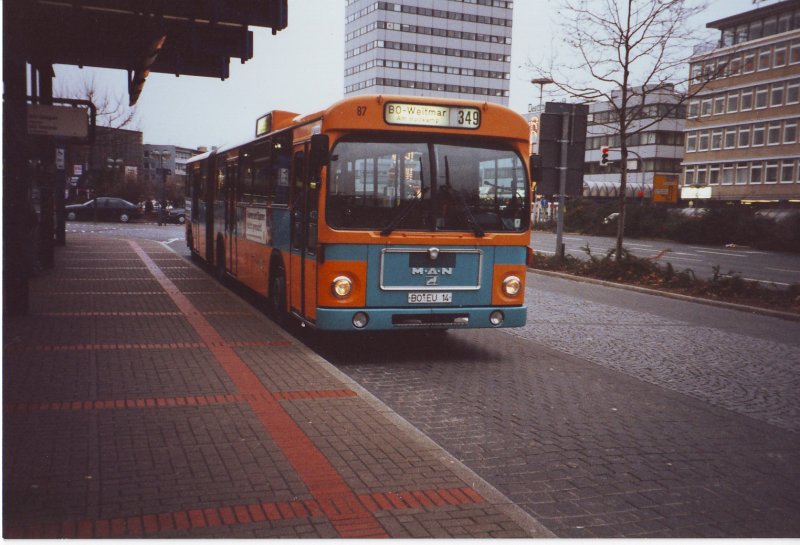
(378, 213)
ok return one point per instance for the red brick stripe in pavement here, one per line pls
(243, 514)
(336, 499)
(159, 402)
(139, 313)
(136, 346)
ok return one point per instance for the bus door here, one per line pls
(231, 184)
(305, 200)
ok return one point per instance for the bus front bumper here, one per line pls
(413, 318)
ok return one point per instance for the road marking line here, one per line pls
(729, 254)
(766, 281)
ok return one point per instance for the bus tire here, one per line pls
(277, 295)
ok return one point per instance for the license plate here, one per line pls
(421, 298)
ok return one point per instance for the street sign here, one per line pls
(45, 120)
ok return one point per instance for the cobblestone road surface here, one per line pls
(603, 420)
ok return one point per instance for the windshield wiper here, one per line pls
(476, 228)
(386, 231)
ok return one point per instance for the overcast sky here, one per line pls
(301, 69)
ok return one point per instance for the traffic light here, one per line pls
(604, 156)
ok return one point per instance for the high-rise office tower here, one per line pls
(444, 48)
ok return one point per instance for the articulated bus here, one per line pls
(378, 213)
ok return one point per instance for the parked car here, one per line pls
(176, 215)
(107, 209)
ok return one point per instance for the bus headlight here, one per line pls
(341, 286)
(512, 285)
(360, 320)
(496, 318)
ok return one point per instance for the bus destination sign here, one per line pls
(264, 125)
(427, 115)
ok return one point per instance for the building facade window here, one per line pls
(716, 139)
(744, 136)
(688, 176)
(730, 138)
(713, 175)
(776, 94)
(787, 171)
(694, 108)
(793, 92)
(758, 134)
(761, 97)
(741, 173)
(774, 133)
(691, 142)
(702, 141)
(790, 132)
(755, 173)
(727, 174)
(771, 172)
(719, 105)
(763, 58)
(747, 100)
(794, 52)
(733, 102)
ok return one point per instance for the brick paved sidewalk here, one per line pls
(143, 399)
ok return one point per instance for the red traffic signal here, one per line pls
(604, 156)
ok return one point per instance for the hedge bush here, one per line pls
(724, 224)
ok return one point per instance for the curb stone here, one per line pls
(650, 291)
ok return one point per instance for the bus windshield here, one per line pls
(427, 185)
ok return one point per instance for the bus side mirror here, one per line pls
(319, 151)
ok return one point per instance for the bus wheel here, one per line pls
(277, 296)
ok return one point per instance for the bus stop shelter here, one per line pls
(181, 37)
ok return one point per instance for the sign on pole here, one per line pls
(46, 120)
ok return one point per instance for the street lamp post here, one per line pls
(112, 165)
(541, 82)
(162, 155)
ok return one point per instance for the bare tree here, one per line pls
(625, 51)
(112, 110)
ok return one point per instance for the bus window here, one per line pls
(261, 185)
(281, 159)
(395, 185)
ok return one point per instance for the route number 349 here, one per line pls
(469, 117)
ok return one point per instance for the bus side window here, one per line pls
(281, 160)
(245, 190)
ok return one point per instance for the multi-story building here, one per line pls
(116, 155)
(655, 146)
(742, 125)
(460, 49)
(169, 157)
(174, 160)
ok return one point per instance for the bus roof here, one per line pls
(199, 157)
